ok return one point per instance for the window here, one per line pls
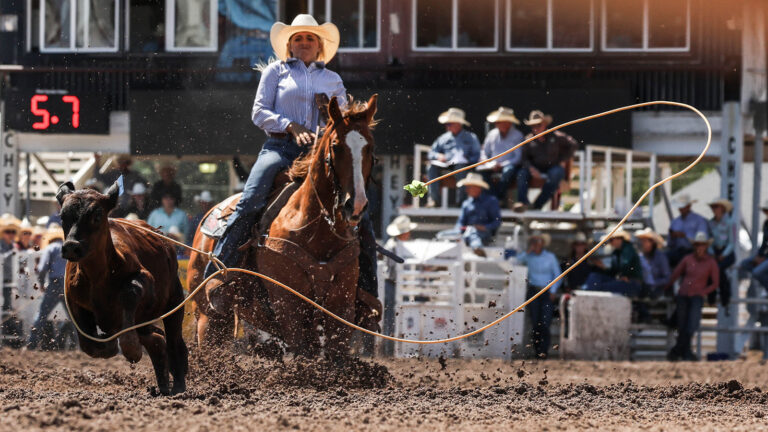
(646, 25)
(357, 20)
(191, 25)
(78, 25)
(145, 21)
(455, 25)
(550, 25)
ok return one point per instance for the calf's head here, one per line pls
(84, 219)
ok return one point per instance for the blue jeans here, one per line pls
(275, 156)
(759, 272)
(688, 311)
(500, 188)
(603, 282)
(554, 176)
(540, 313)
(475, 238)
(434, 188)
(54, 294)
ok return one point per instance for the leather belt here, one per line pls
(280, 135)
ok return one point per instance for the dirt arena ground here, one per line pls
(69, 391)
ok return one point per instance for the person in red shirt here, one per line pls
(700, 276)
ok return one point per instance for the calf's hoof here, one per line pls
(178, 387)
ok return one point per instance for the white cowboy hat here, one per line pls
(132, 216)
(727, 205)
(580, 237)
(683, 200)
(281, 33)
(138, 189)
(9, 222)
(473, 179)
(701, 237)
(401, 225)
(648, 233)
(453, 115)
(175, 233)
(205, 196)
(543, 236)
(503, 114)
(53, 232)
(620, 233)
(536, 117)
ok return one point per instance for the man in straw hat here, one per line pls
(480, 214)
(9, 228)
(654, 261)
(544, 157)
(625, 275)
(683, 228)
(543, 268)
(500, 139)
(399, 230)
(578, 276)
(757, 264)
(700, 276)
(724, 232)
(454, 149)
(51, 269)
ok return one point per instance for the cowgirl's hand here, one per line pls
(302, 135)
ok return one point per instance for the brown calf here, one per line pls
(119, 275)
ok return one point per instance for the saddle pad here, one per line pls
(215, 222)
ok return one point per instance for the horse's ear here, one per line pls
(113, 193)
(334, 111)
(371, 111)
(64, 190)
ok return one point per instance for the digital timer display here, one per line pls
(57, 111)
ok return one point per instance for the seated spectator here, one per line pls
(757, 265)
(454, 149)
(24, 238)
(204, 202)
(398, 231)
(500, 139)
(168, 215)
(654, 261)
(723, 231)
(625, 274)
(545, 157)
(480, 214)
(700, 277)
(138, 203)
(123, 168)
(683, 228)
(576, 279)
(542, 269)
(166, 184)
(50, 268)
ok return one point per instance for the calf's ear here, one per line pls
(113, 193)
(64, 190)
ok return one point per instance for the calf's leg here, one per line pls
(87, 323)
(177, 349)
(151, 338)
(129, 298)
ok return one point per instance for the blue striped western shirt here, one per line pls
(495, 144)
(287, 91)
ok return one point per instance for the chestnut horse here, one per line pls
(312, 246)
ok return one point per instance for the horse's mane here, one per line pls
(356, 112)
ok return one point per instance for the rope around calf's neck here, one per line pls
(223, 269)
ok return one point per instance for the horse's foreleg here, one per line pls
(337, 334)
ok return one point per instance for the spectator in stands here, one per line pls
(500, 139)
(168, 215)
(37, 237)
(543, 268)
(683, 228)
(576, 279)
(723, 231)
(757, 264)
(50, 268)
(545, 157)
(480, 214)
(9, 227)
(175, 233)
(700, 277)
(109, 177)
(454, 149)
(138, 203)
(398, 231)
(625, 274)
(166, 184)
(204, 202)
(654, 262)
(24, 238)
(54, 218)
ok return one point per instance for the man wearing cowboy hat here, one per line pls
(757, 265)
(51, 268)
(109, 177)
(398, 231)
(723, 231)
(9, 228)
(543, 268)
(500, 139)
(204, 203)
(700, 277)
(166, 184)
(543, 157)
(578, 276)
(683, 228)
(625, 274)
(654, 261)
(454, 149)
(480, 214)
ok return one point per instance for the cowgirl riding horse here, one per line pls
(286, 110)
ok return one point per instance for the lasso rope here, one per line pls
(416, 189)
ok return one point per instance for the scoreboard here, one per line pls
(56, 112)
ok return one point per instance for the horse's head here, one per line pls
(350, 155)
(84, 219)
